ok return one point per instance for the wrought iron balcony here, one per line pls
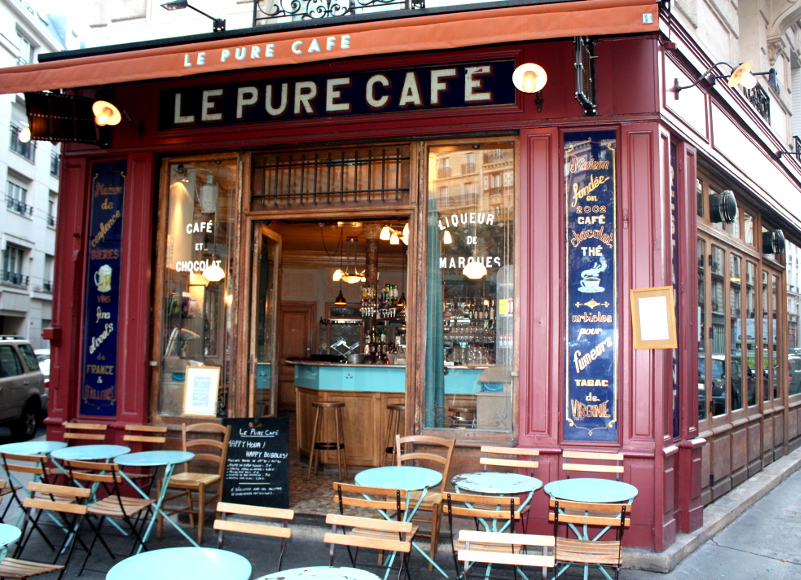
(18, 207)
(797, 144)
(271, 11)
(15, 279)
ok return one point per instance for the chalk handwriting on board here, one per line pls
(257, 467)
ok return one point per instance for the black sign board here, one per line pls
(257, 467)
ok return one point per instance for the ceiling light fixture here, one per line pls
(394, 236)
(530, 78)
(213, 273)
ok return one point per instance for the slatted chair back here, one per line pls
(374, 534)
(491, 511)
(516, 550)
(209, 443)
(63, 503)
(593, 519)
(95, 432)
(438, 457)
(389, 501)
(154, 435)
(601, 462)
(266, 514)
(94, 475)
(499, 457)
(408, 452)
(20, 469)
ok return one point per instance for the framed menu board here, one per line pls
(653, 317)
(200, 391)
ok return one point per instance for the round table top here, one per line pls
(405, 477)
(32, 447)
(90, 452)
(154, 458)
(591, 489)
(489, 482)
(333, 572)
(172, 563)
(9, 534)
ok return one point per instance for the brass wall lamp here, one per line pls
(740, 75)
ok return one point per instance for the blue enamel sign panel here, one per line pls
(591, 321)
(104, 256)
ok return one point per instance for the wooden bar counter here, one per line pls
(366, 390)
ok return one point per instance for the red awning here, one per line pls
(419, 33)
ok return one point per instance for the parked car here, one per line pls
(43, 356)
(23, 395)
(717, 404)
(794, 372)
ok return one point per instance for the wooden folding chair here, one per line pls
(19, 469)
(224, 525)
(508, 457)
(514, 550)
(209, 443)
(486, 511)
(61, 502)
(382, 535)
(407, 453)
(602, 462)
(152, 436)
(95, 432)
(95, 476)
(590, 522)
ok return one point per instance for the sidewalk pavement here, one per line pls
(752, 532)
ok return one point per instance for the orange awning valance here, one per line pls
(418, 33)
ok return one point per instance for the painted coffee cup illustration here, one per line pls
(103, 278)
(590, 282)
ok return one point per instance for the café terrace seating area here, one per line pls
(84, 507)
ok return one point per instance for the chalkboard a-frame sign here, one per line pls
(257, 467)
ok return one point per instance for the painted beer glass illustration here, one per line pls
(103, 278)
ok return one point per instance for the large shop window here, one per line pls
(470, 287)
(196, 295)
(738, 311)
(793, 261)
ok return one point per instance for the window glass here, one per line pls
(736, 330)
(699, 198)
(718, 378)
(470, 287)
(702, 329)
(10, 365)
(748, 228)
(793, 350)
(750, 310)
(765, 343)
(196, 328)
(30, 357)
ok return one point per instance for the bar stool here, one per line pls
(393, 428)
(462, 416)
(339, 445)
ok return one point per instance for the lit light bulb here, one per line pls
(475, 270)
(229, 299)
(24, 135)
(447, 238)
(394, 240)
(386, 232)
(337, 275)
(529, 81)
(102, 119)
(406, 231)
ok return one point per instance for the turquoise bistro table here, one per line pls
(182, 563)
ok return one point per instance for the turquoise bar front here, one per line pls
(377, 378)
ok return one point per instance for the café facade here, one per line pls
(570, 268)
